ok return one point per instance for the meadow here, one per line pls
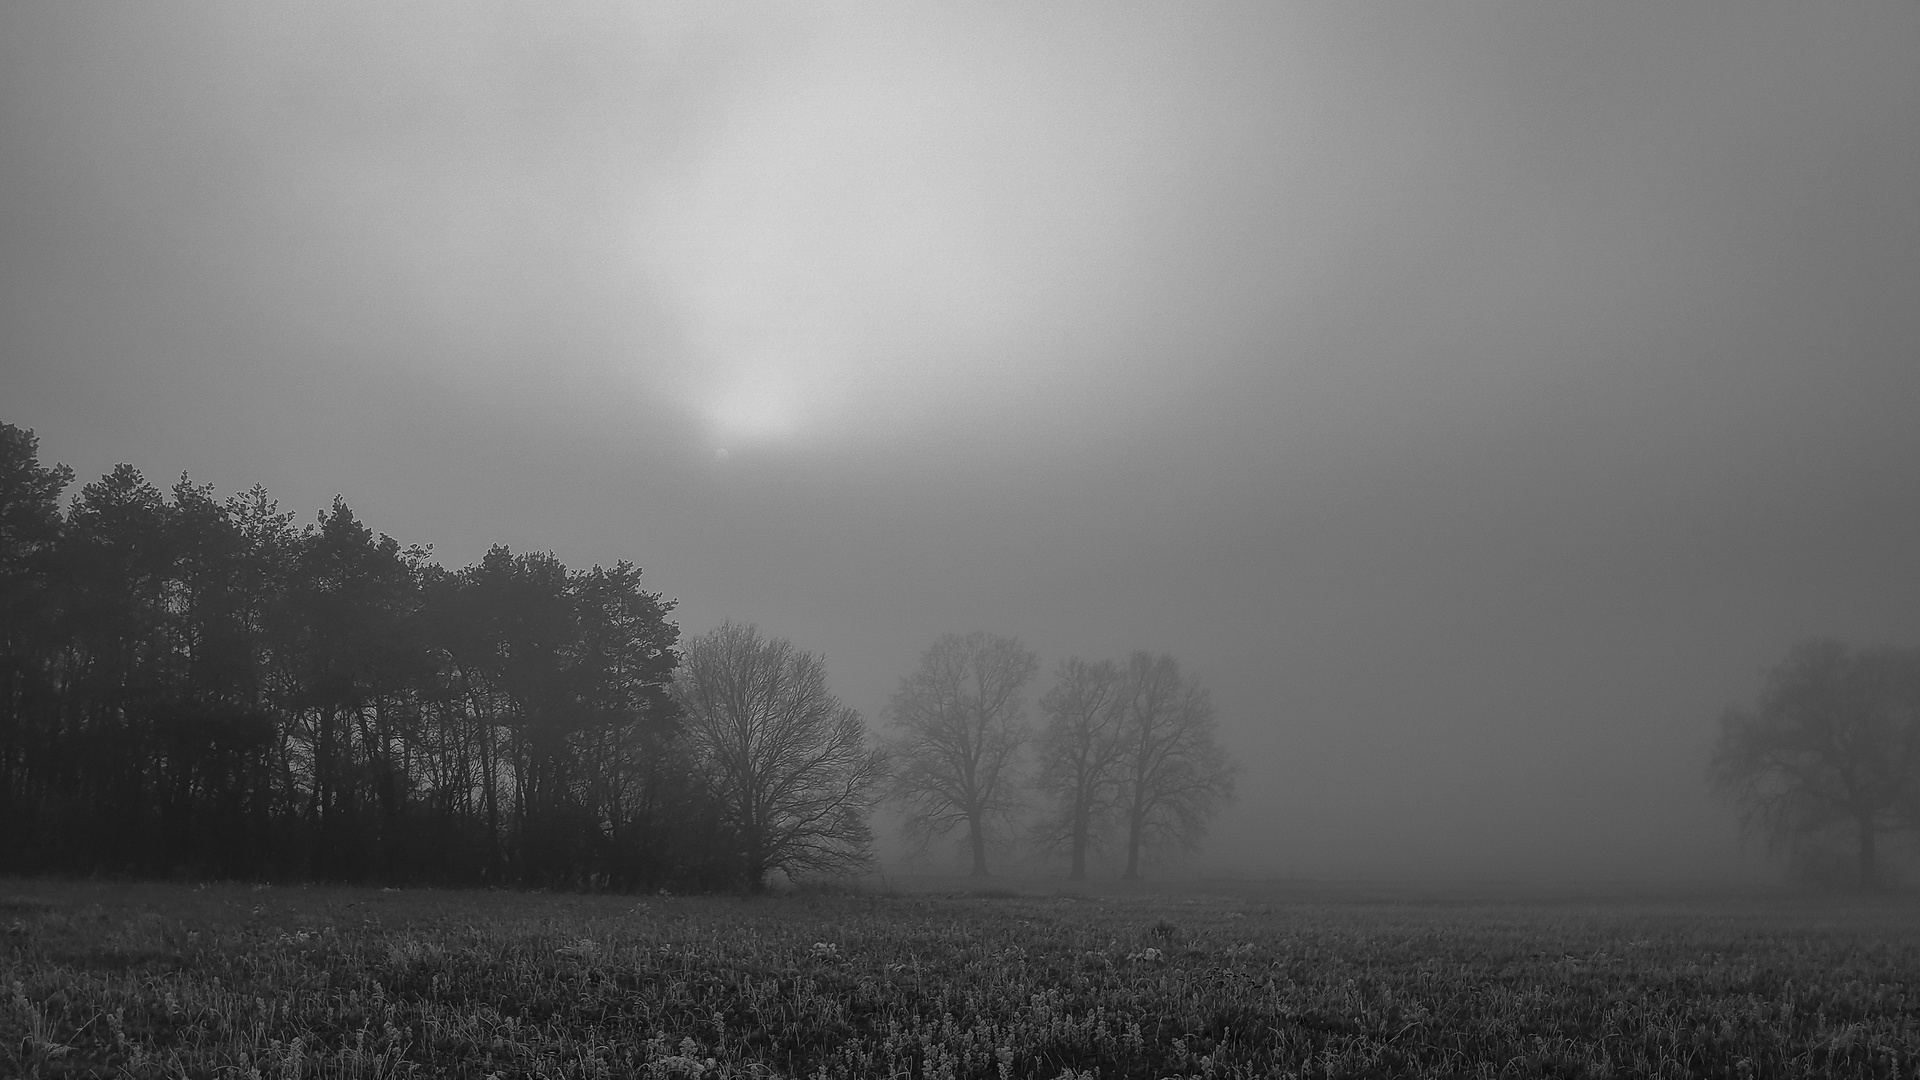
(152, 980)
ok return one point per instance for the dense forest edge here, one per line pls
(199, 687)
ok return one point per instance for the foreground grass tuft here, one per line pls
(231, 981)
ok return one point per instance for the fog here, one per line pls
(1477, 398)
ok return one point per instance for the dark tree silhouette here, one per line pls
(120, 668)
(30, 645)
(624, 663)
(1833, 744)
(1174, 775)
(1081, 756)
(573, 667)
(787, 764)
(957, 726)
(217, 735)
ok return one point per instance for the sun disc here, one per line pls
(757, 409)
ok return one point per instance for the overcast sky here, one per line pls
(1477, 397)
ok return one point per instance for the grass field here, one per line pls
(233, 981)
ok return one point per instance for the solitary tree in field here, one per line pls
(1174, 775)
(958, 724)
(786, 762)
(1081, 754)
(1834, 744)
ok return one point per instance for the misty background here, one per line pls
(1476, 398)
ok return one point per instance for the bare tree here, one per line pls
(1081, 754)
(787, 763)
(958, 725)
(1175, 776)
(1833, 744)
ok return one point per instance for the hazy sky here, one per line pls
(1476, 396)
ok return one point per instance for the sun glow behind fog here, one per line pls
(755, 407)
(863, 246)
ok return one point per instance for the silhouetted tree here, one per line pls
(356, 652)
(575, 668)
(624, 663)
(786, 762)
(957, 725)
(1834, 742)
(531, 622)
(120, 670)
(217, 737)
(30, 646)
(1081, 755)
(1174, 775)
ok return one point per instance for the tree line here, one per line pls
(1128, 756)
(199, 686)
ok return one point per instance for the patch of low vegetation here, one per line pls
(232, 981)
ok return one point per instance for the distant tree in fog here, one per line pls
(957, 725)
(1081, 754)
(1833, 745)
(788, 765)
(1174, 776)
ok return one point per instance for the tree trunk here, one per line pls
(323, 815)
(1133, 849)
(979, 843)
(1079, 872)
(492, 800)
(755, 870)
(1869, 876)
